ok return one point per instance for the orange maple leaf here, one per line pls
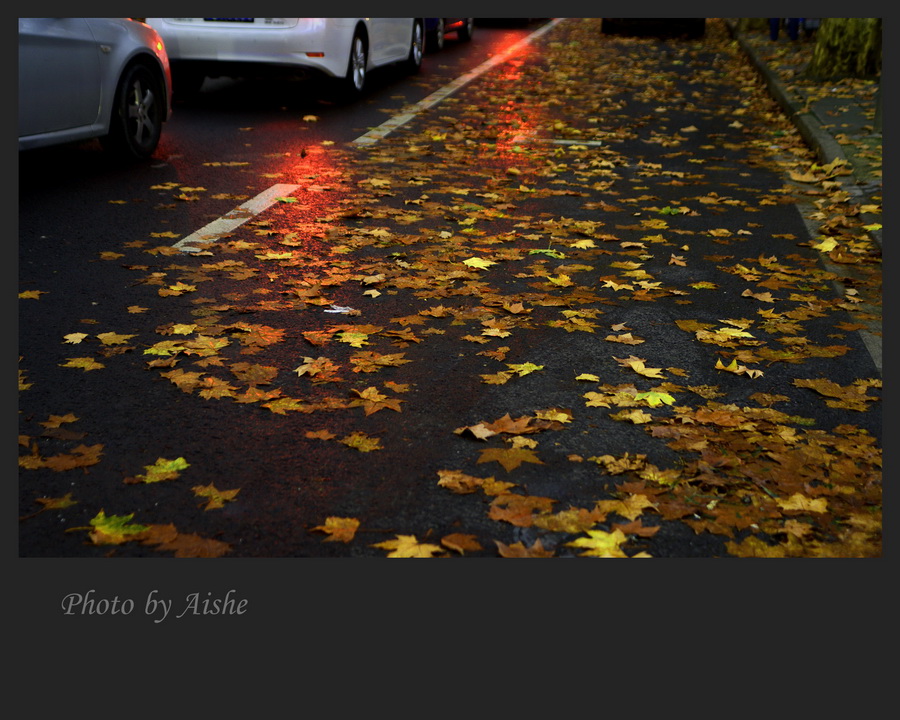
(340, 529)
(519, 509)
(518, 550)
(461, 543)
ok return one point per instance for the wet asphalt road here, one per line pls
(448, 188)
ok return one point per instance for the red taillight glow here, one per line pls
(315, 54)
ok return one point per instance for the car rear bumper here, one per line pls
(229, 48)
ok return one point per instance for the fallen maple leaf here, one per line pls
(522, 369)
(637, 417)
(637, 364)
(85, 363)
(852, 397)
(519, 510)
(372, 401)
(654, 398)
(81, 456)
(762, 297)
(215, 498)
(54, 421)
(338, 529)
(518, 550)
(160, 471)
(801, 503)
(111, 338)
(509, 458)
(461, 543)
(407, 546)
(478, 263)
(629, 508)
(601, 544)
(57, 503)
(362, 442)
(113, 529)
(625, 338)
(192, 545)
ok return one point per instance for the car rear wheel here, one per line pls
(416, 48)
(436, 36)
(464, 34)
(355, 79)
(137, 115)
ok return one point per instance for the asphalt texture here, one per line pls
(583, 240)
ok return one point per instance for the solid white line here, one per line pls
(234, 218)
(376, 134)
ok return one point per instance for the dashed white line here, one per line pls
(237, 217)
(376, 134)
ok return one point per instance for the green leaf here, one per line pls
(655, 398)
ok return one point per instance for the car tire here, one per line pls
(416, 48)
(436, 37)
(354, 81)
(135, 124)
(464, 34)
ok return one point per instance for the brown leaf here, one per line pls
(509, 458)
(519, 509)
(461, 543)
(518, 550)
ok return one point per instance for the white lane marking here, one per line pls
(241, 214)
(376, 134)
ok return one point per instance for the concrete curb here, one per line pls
(827, 149)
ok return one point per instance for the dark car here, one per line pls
(437, 28)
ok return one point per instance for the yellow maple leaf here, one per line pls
(478, 263)
(85, 363)
(637, 364)
(800, 502)
(601, 544)
(111, 338)
(630, 507)
(407, 546)
(638, 417)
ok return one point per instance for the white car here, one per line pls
(82, 78)
(343, 49)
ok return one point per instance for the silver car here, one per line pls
(342, 49)
(82, 78)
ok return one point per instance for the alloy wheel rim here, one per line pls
(140, 112)
(358, 62)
